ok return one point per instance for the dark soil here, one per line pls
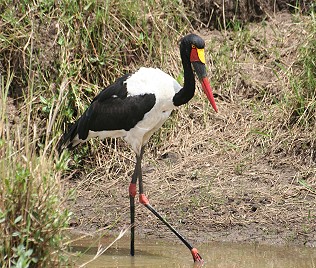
(222, 14)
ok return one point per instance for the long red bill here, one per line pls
(208, 91)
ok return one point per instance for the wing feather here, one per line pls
(111, 109)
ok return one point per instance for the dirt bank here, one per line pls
(207, 196)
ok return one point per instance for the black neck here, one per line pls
(187, 92)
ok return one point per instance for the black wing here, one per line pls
(111, 109)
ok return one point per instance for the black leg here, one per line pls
(132, 194)
(143, 199)
(132, 213)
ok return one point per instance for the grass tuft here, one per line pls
(33, 217)
(304, 84)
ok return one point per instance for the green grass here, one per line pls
(304, 84)
(32, 217)
(32, 210)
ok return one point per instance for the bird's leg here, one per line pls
(144, 200)
(132, 194)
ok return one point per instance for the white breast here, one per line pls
(163, 86)
(152, 80)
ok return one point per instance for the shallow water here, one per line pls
(157, 253)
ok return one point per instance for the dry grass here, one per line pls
(33, 216)
(240, 175)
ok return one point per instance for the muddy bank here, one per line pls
(207, 197)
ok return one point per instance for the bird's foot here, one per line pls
(196, 256)
(132, 189)
(143, 199)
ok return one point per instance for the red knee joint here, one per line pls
(143, 199)
(196, 256)
(132, 189)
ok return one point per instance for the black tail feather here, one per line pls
(67, 138)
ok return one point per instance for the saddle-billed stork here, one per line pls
(134, 107)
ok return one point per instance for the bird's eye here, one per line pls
(193, 46)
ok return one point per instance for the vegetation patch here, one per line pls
(33, 216)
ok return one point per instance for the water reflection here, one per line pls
(151, 253)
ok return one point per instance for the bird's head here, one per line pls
(192, 47)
